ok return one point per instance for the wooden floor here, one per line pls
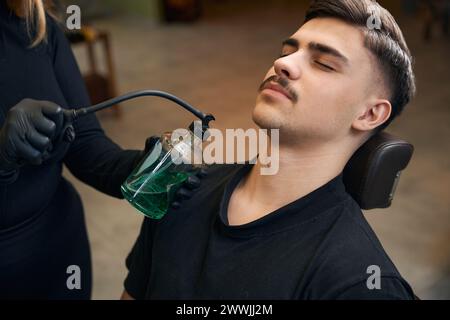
(217, 65)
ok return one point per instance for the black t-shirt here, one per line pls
(317, 247)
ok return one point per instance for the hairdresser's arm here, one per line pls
(93, 158)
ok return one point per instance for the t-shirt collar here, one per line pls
(301, 210)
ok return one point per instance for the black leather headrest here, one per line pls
(372, 174)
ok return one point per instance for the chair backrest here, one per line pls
(372, 174)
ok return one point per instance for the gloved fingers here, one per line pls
(192, 183)
(44, 126)
(175, 205)
(55, 113)
(202, 173)
(28, 153)
(183, 194)
(37, 140)
(50, 108)
(188, 188)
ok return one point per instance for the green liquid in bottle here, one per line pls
(151, 193)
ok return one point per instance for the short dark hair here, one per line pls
(386, 43)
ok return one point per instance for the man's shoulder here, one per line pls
(351, 239)
(350, 254)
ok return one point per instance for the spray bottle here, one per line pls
(153, 183)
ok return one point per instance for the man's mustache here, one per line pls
(283, 82)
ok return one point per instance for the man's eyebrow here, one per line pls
(319, 47)
(322, 48)
(291, 42)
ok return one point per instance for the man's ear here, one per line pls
(377, 113)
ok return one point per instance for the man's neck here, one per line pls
(300, 173)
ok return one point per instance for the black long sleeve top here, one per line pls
(50, 72)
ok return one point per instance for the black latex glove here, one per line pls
(189, 187)
(26, 136)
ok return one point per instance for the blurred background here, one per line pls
(214, 54)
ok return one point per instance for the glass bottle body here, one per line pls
(152, 186)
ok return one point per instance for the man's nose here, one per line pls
(286, 67)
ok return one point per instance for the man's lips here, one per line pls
(276, 87)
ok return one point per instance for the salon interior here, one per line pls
(214, 54)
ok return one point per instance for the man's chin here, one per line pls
(267, 117)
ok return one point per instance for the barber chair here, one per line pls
(372, 174)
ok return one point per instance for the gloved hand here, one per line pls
(189, 187)
(26, 136)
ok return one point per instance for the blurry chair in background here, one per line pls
(100, 86)
(372, 174)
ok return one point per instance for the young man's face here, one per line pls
(329, 76)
